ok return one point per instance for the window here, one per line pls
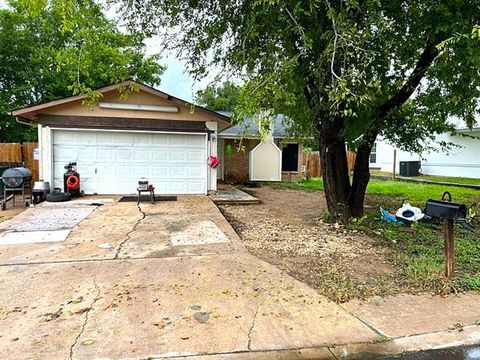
(290, 157)
(373, 154)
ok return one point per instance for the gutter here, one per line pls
(17, 118)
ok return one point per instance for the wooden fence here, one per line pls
(311, 161)
(15, 154)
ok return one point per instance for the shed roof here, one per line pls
(248, 128)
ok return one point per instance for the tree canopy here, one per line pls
(51, 49)
(349, 70)
(223, 97)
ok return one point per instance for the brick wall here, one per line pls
(236, 163)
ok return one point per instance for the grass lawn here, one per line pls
(416, 194)
(418, 250)
(449, 179)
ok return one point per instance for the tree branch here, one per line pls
(428, 56)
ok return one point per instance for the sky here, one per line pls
(175, 80)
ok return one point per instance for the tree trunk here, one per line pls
(361, 177)
(336, 182)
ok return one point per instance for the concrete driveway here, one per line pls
(165, 280)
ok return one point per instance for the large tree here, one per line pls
(52, 49)
(351, 70)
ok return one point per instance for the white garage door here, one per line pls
(112, 162)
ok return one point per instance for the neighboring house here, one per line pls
(116, 142)
(276, 158)
(460, 161)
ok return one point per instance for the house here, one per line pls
(461, 161)
(116, 142)
(245, 157)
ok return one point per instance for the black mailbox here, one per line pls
(446, 210)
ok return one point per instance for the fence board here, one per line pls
(10, 153)
(311, 161)
(27, 158)
(15, 154)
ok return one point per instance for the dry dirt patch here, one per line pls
(287, 230)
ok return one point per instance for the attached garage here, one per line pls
(113, 162)
(117, 142)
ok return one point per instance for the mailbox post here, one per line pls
(449, 240)
(449, 212)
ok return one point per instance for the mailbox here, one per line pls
(446, 210)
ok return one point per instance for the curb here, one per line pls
(469, 335)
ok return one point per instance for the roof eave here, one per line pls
(32, 111)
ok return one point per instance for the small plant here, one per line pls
(381, 339)
(326, 217)
(359, 220)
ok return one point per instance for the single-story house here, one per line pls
(282, 160)
(116, 142)
(461, 161)
(149, 134)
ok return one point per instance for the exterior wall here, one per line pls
(462, 161)
(144, 98)
(45, 146)
(385, 157)
(235, 165)
(213, 151)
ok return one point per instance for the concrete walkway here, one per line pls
(231, 195)
(175, 282)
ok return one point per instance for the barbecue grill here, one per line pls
(17, 180)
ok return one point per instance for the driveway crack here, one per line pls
(127, 235)
(87, 312)
(249, 335)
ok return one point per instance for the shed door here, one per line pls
(112, 162)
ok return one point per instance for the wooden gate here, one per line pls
(313, 168)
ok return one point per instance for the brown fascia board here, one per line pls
(31, 112)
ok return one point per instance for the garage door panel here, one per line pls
(196, 142)
(142, 171)
(144, 140)
(195, 187)
(159, 172)
(123, 154)
(178, 141)
(196, 156)
(66, 154)
(160, 140)
(124, 139)
(174, 163)
(105, 154)
(178, 172)
(103, 137)
(142, 155)
(195, 172)
(159, 155)
(178, 155)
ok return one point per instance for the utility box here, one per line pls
(410, 168)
